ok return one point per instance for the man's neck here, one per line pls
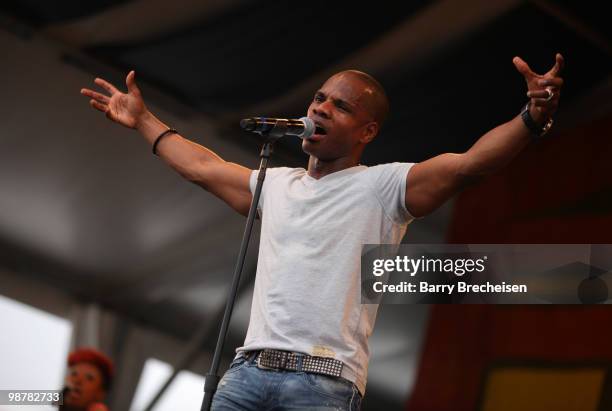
(318, 168)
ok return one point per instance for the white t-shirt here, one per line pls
(307, 295)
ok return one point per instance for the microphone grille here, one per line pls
(309, 127)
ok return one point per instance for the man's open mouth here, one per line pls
(320, 130)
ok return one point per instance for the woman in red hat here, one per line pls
(89, 377)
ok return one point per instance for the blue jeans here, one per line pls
(247, 387)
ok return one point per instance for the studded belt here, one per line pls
(292, 361)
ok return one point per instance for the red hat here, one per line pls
(95, 357)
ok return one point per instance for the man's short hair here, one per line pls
(97, 359)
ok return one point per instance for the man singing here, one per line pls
(307, 341)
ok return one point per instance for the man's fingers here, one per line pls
(537, 94)
(98, 106)
(130, 82)
(555, 82)
(543, 93)
(559, 63)
(95, 95)
(522, 67)
(106, 86)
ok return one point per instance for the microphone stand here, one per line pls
(212, 379)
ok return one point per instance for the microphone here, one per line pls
(279, 127)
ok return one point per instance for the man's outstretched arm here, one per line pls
(228, 181)
(433, 182)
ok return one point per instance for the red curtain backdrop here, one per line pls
(558, 191)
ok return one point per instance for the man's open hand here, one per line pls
(538, 84)
(124, 108)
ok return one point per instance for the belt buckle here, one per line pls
(258, 362)
(280, 361)
(260, 365)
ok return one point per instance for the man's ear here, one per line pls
(370, 131)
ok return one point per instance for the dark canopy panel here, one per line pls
(41, 13)
(257, 52)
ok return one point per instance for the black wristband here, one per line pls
(536, 130)
(162, 135)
